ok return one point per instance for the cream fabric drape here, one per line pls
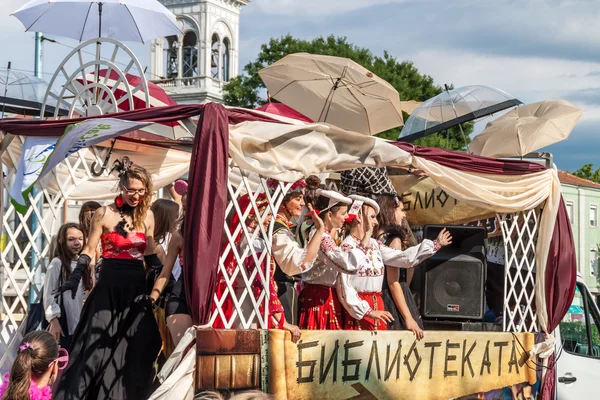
(290, 152)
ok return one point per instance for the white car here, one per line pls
(578, 348)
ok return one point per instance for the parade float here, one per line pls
(233, 153)
(113, 112)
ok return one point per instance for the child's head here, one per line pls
(166, 213)
(69, 243)
(37, 361)
(85, 215)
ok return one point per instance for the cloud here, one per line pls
(312, 7)
(580, 148)
(590, 96)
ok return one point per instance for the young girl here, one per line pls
(63, 312)
(370, 312)
(34, 369)
(176, 310)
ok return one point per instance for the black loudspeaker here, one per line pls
(453, 279)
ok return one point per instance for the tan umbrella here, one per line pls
(410, 106)
(527, 128)
(334, 90)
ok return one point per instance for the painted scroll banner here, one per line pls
(393, 365)
(426, 203)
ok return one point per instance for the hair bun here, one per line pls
(313, 182)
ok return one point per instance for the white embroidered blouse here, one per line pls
(369, 278)
(288, 254)
(332, 259)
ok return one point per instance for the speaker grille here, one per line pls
(454, 287)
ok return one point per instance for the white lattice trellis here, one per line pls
(520, 232)
(28, 239)
(239, 280)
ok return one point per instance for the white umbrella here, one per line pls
(123, 20)
(527, 128)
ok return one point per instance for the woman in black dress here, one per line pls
(393, 231)
(117, 340)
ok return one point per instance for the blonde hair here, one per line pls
(139, 173)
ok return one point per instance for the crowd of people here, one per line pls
(328, 271)
(335, 263)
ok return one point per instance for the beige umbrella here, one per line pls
(527, 128)
(334, 90)
(410, 106)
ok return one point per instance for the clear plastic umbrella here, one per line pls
(22, 94)
(454, 107)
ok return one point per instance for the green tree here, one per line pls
(247, 90)
(588, 172)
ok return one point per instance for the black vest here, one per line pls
(279, 275)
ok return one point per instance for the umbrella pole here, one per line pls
(6, 88)
(329, 100)
(455, 115)
(98, 53)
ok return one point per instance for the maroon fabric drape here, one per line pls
(561, 269)
(39, 127)
(470, 162)
(206, 204)
(205, 210)
(55, 128)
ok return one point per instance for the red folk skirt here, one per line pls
(367, 323)
(320, 308)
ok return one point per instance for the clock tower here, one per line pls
(193, 67)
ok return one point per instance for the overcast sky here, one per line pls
(533, 49)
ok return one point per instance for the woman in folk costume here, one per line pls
(291, 259)
(117, 340)
(319, 304)
(368, 282)
(255, 243)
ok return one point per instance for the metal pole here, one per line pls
(39, 54)
(35, 223)
(6, 87)
(455, 115)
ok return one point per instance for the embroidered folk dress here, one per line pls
(360, 293)
(319, 304)
(289, 257)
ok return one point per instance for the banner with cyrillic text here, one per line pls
(393, 365)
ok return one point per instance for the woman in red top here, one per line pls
(117, 339)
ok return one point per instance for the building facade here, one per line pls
(582, 198)
(193, 67)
